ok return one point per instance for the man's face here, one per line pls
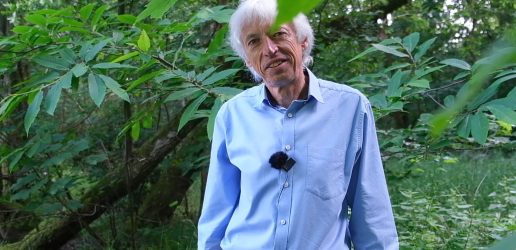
(275, 56)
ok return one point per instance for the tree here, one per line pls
(105, 106)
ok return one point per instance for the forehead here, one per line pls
(251, 28)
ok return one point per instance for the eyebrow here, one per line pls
(251, 36)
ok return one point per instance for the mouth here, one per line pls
(275, 64)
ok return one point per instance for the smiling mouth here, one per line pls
(275, 64)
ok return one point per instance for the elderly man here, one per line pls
(295, 162)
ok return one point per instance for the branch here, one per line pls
(52, 234)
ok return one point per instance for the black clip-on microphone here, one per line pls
(280, 160)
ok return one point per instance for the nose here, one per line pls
(270, 46)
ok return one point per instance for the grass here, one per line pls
(460, 202)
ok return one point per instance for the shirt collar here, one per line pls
(314, 90)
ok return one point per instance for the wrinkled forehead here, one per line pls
(258, 26)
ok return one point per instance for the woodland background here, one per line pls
(107, 108)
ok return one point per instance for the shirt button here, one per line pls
(288, 147)
(283, 222)
(285, 184)
(290, 115)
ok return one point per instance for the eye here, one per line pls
(252, 42)
(280, 33)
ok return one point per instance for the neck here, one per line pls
(285, 94)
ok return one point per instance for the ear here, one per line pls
(304, 44)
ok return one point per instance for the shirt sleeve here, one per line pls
(372, 222)
(222, 190)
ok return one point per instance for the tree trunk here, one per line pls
(171, 188)
(173, 183)
(53, 233)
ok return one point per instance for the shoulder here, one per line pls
(344, 92)
(242, 101)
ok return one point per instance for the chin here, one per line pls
(279, 82)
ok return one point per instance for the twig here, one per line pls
(433, 99)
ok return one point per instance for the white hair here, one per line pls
(264, 12)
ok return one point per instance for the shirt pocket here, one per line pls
(325, 172)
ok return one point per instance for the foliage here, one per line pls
(457, 205)
(88, 86)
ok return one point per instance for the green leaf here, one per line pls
(97, 89)
(52, 98)
(363, 53)
(144, 41)
(22, 29)
(36, 19)
(449, 100)
(379, 101)
(79, 69)
(464, 128)
(51, 62)
(15, 159)
(396, 66)
(219, 14)
(21, 195)
(72, 22)
(506, 72)
(205, 74)
(420, 83)
(66, 80)
(74, 205)
(68, 55)
(461, 75)
(389, 49)
(489, 92)
(135, 131)
(126, 56)
(423, 48)
(393, 86)
(177, 95)
(219, 76)
(76, 29)
(410, 41)
(457, 63)
(218, 40)
(190, 111)
(127, 19)
(142, 79)
(287, 11)
(479, 127)
(115, 87)
(112, 66)
(227, 92)
(96, 16)
(396, 106)
(213, 114)
(95, 159)
(23, 181)
(6, 104)
(32, 111)
(155, 9)
(423, 72)
(85, 11)
(147, 121)
(49, 209)
(60, 185)
(503, 113)
(95, 50)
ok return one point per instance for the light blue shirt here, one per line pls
(335, 193)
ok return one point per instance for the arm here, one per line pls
(372, 222)
(222, 191)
